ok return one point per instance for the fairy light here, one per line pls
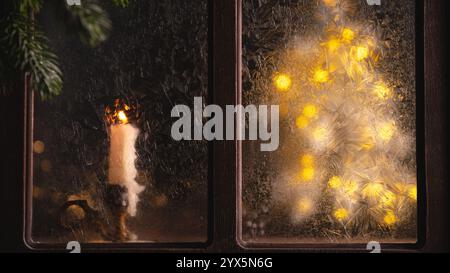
(373, 190)
(333, 45)
(382, 91)
(321, 76)
(282, 82)
(320, 134)
(386, 131)
(350, 187)
(330, 3)
(360, 53)
(38, 147)
(390, 218)
(348, 35)
(388, 198)
(412, 192)
(334, 182)
(310, 111)
(341, 214)
(307, 174)
(302, 122)
(307, 160)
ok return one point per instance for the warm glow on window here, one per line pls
(283, 82)
(346, 168)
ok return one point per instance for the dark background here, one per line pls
(224, 191)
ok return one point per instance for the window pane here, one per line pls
(343, 73)
(106, 139)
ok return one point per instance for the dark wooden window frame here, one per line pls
(225, 81)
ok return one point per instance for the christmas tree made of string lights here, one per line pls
(343, 112)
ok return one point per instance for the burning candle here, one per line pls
(122, 156)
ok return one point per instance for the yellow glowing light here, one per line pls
(335, 182)
(38, 147)
(382, 91)
(388, 198)
(307, 174)
(46, 166)
(390, 218)
(307, 160)
(386, 131)
(367, 139)
(310, 111)
(333, 45)
(412, 193)
(302, 122)
(282, 82)
(348, 35)
(368, 145)
(320, 134)
(304, 205)
(373, 190)
(330, 3)
(350, 187)
(122, 117)
(340, 214)
(321, 76)
(400, 187)
(361, 53)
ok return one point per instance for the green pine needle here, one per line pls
(24, 49)
(28, 47)
(92, 22)
(121, 3)
(26, 6)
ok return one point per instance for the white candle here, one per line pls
(122, 157)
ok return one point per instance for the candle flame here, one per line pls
(122, 117)
(119, 113)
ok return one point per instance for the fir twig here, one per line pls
(121, 3)
(25, 6)
(92, 22)
(28, 48)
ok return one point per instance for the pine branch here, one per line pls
(28, 51)
(92, 22)
(23, 49)
(121, 3)
(25, 6)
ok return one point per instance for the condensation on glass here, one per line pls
(105, 167)
(343, 74)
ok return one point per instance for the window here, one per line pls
(349, 166)
(343, 73)
(104, 167)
